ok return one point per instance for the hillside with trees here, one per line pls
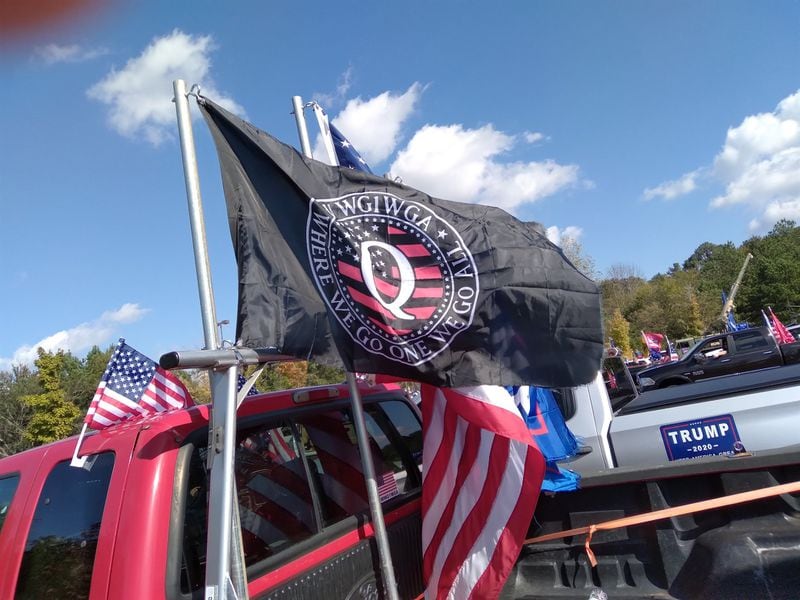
(686, 301)
(46, 402)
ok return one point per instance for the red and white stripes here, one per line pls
(482, 475)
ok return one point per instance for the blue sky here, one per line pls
(641, 129)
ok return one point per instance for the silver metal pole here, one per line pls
(375, 509)
(220, 497)
(219, 585)
(199, 243)
(302, 130)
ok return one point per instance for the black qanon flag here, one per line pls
(337, 263)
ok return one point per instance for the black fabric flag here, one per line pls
(338, 263)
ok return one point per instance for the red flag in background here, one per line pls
(653, 340)
(782, 335)
(481, 480)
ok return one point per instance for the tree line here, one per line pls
(47, 402)
(686, 301)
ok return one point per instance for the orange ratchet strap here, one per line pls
(666, 513)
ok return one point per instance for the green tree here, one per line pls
(15, 414)
(619, 330)
(717, 267)
(81, 377)
(319, 374)
(196, 381)
(773, 277)
(54, 416)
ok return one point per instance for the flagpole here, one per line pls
(375, 509)
(325, 129)
(79, 461)
(225, 571)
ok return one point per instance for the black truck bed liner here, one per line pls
(749, 551)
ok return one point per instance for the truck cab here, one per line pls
(133, 522)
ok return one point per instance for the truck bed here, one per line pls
(743, 552)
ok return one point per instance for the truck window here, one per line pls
(748, 341)
(8, 485)
(61, 544)
(713, 348)
(618, 382)
(397, 429)
(299, 476)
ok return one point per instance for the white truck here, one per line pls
(739, 414)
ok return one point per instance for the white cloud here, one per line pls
(374, 126)
(328, 100)
(140, 95)
(449, 161)
(673, 189)
(71, 53)
(758, 167)
(80, 338)
(533, 137)
(557, 235)
(462, 164)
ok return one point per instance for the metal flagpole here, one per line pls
(225, 575)
(376, 512)
(325, 128)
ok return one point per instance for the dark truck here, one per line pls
(720, 355)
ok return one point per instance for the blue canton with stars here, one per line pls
(346, 154)
(129, 372)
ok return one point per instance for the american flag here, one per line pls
(346, 154)
(482, 474)
(134, 386)
(782, 335)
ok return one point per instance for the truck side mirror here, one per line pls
(700, 358)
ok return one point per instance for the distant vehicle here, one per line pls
(682, 346)
(719, 355)
(621, 427)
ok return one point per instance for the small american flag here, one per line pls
(134, 386)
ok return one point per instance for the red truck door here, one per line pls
(59, 535)
(303, 504)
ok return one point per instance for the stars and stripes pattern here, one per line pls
(342, 475)
(346, 154)
(275, 502)
(481, 479)
(134, 386)
(429, 280)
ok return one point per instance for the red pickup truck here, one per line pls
(132, 522)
